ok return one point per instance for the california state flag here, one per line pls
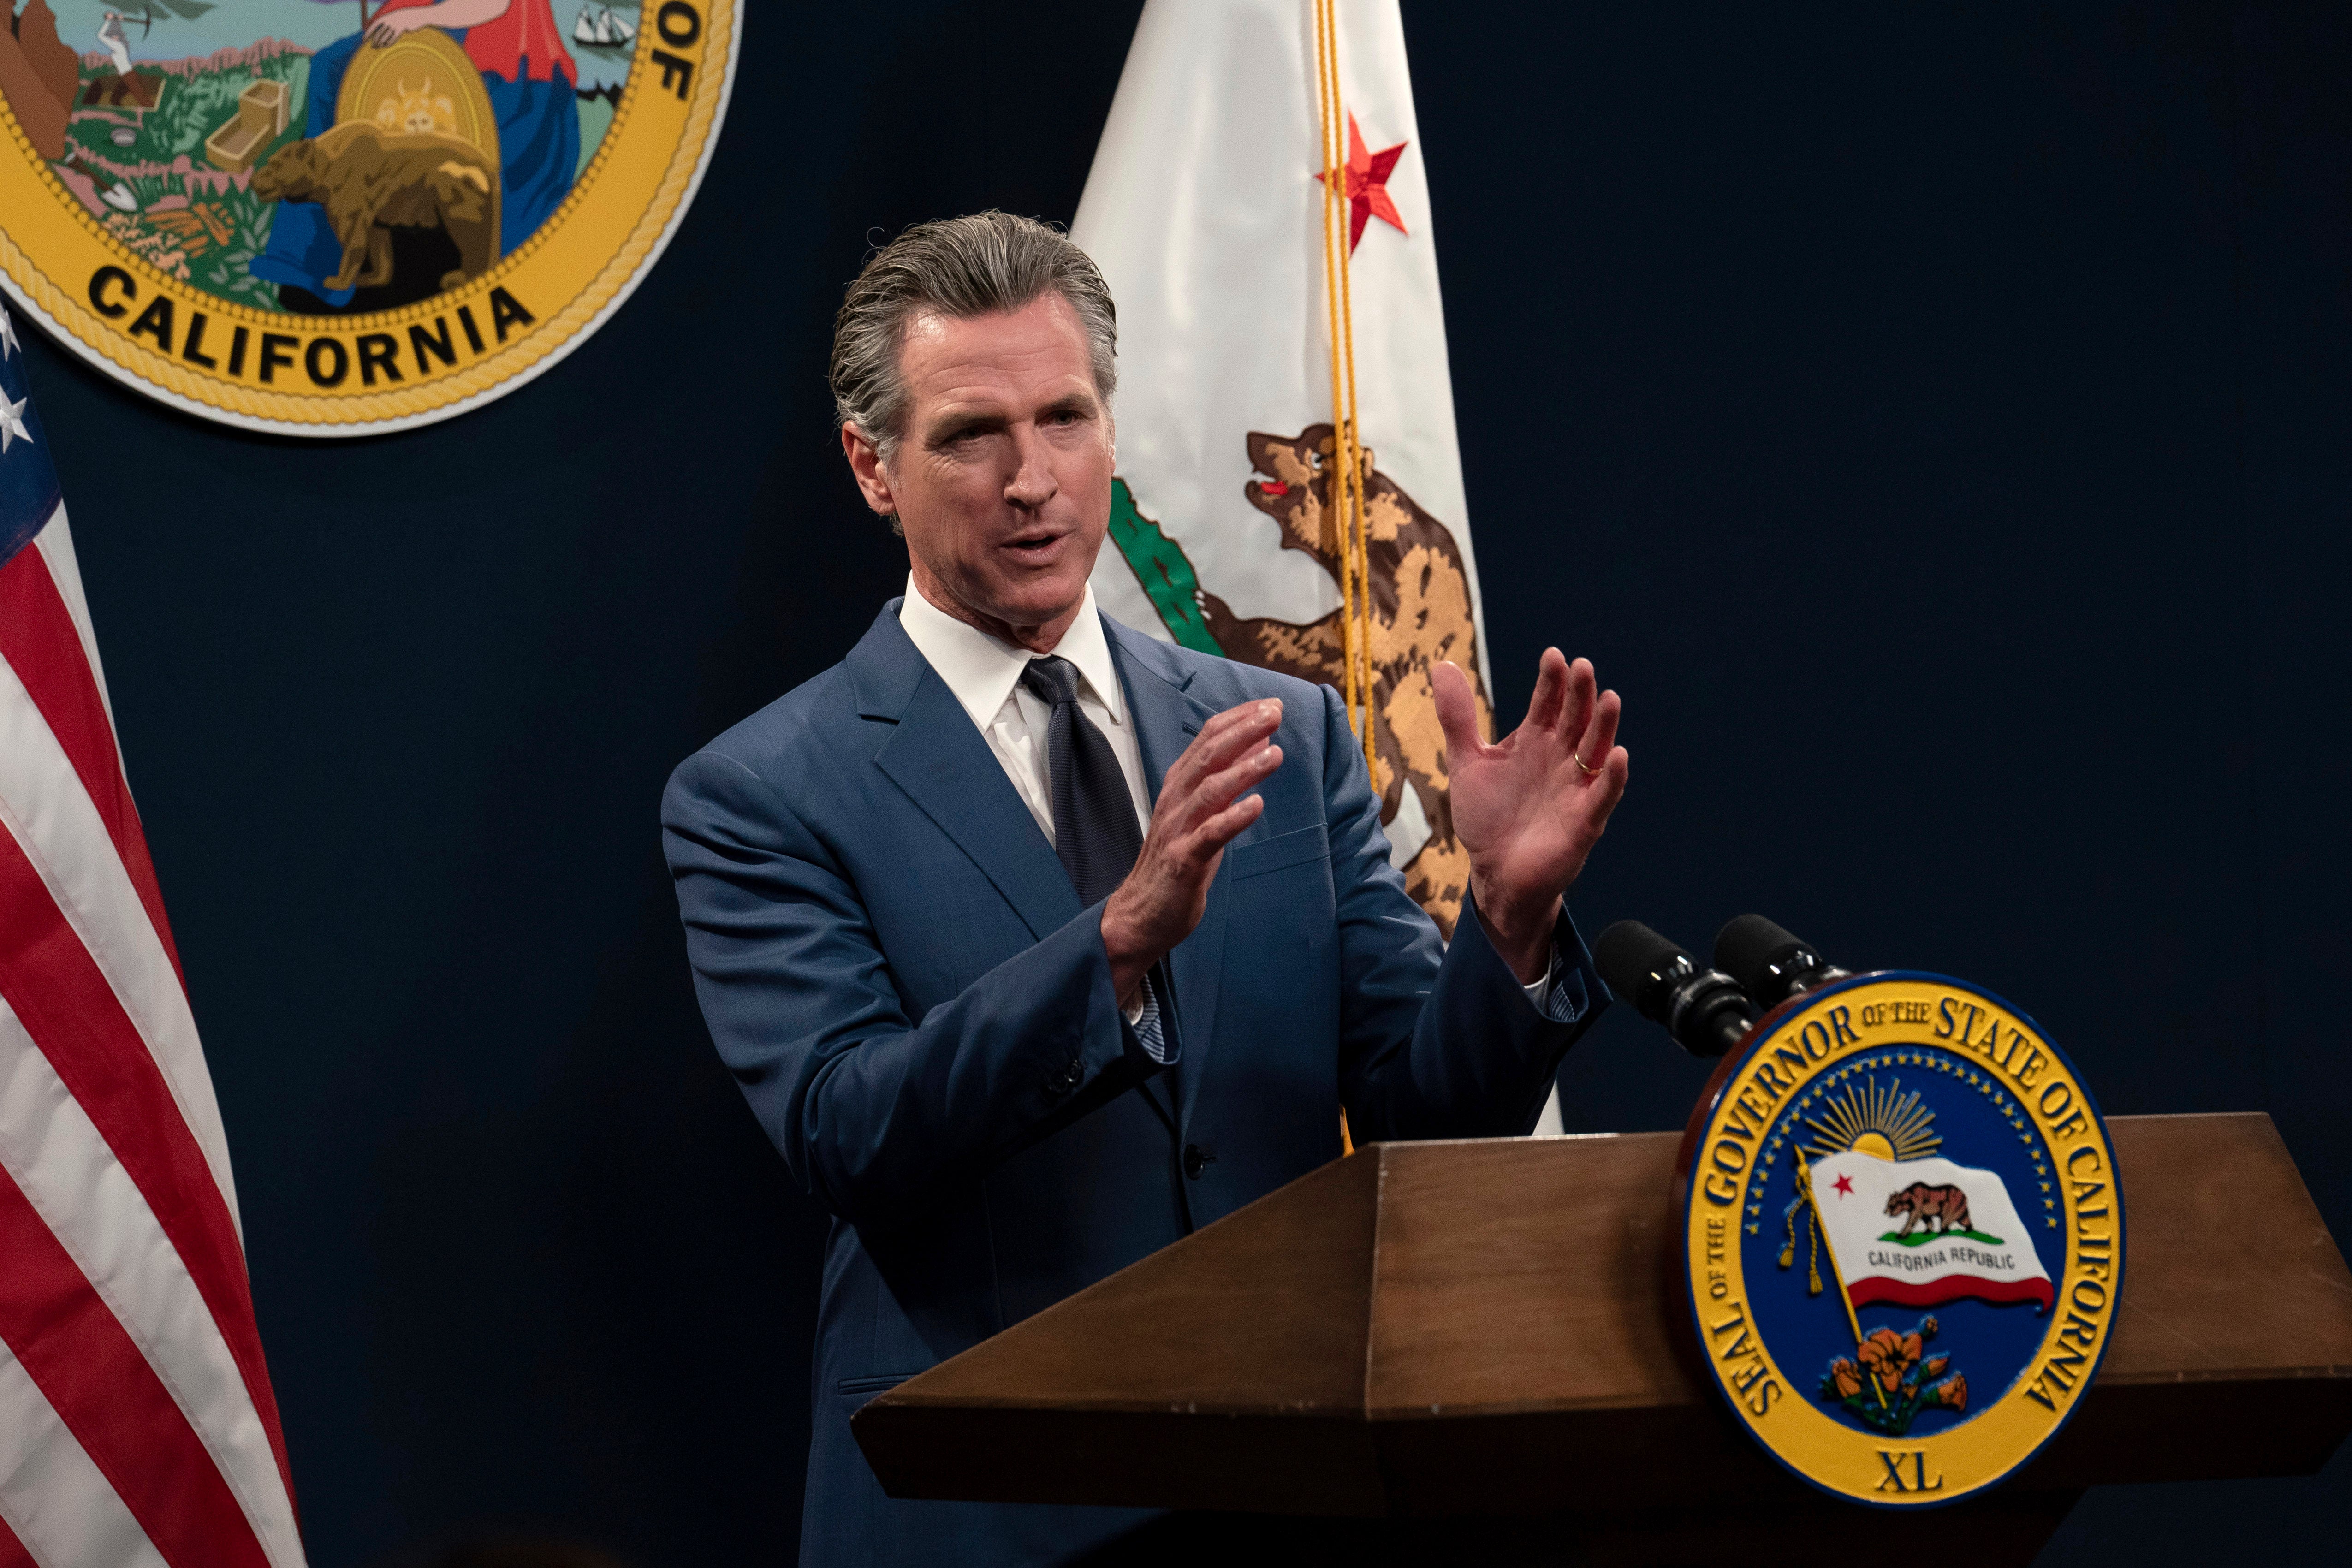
(1918, 1233)
(1205, 212)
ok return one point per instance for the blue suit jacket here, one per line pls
(894, 965)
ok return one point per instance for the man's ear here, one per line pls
(865, 464)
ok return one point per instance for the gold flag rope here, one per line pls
(1345, 532)
(1346, 526)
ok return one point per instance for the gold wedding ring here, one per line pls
(1588, 769)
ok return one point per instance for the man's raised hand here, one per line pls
(1530, 807)
(1203, 805)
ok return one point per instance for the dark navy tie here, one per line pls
(1095, 821)
(1095, 830)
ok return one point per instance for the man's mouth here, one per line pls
(1034, 544)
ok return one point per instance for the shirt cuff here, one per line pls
(1561, 995)
(1143, 1017)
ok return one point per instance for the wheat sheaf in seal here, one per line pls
(1905, 1237)
(340, 217)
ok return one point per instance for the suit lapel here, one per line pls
(1167, 717)
(936, 756)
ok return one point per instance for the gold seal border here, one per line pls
(450, 392)
(1992, 1443)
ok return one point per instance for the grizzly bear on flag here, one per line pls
(1422, 616)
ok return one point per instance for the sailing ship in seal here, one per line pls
(597, 28)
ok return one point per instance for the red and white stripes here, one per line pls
(137, 1424)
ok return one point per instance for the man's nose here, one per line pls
(1031, 484)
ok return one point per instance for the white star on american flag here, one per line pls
(11, 427)
(8, 344)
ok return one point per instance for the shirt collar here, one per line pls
(982, 671)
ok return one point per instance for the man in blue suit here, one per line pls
(1035, 942)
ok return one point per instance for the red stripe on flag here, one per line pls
(72, 1013)
(110, 1399)
(1950, 1288)
(12, 1551)
(41, 644)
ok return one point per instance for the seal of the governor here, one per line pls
(1905, 1240)
(335, 220)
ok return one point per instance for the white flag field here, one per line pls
(1205, 212)
(1917, 1233)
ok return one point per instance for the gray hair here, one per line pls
(959, 267)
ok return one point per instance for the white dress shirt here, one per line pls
(985, 677)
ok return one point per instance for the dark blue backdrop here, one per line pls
(1932, 418)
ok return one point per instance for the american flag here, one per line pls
(136, 1422)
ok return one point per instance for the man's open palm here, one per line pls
(1530, 807)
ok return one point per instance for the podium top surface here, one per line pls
(1337, 1346)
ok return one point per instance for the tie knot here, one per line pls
(1052, 678)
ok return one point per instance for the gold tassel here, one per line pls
(1812, 1228)
(1349, 527)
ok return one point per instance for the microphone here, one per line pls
(1769, 963)
(1702, 1009)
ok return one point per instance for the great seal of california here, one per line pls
(337, 219)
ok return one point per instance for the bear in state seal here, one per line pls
(371, 180)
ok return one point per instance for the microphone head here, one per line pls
(1642, 966)
(1770, 964)
(1701, 1008)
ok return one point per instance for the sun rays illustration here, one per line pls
(1869, 1120)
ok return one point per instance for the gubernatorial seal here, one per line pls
(1905, 1237)
(335, 220)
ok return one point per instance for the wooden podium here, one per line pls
(1489, 1334)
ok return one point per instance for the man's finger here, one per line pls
(1227, 735)
(1602, 733)
(1219, 830)
(1215, 792)
(1235, 728)
(1551, 692)
(1611, 786)
(1457, 711)
(1239, 738)
(1577, 712)
(1218, 724)
(1240, 713)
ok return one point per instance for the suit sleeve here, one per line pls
(872, 1110)
(1436, 1041)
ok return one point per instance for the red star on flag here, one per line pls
(1845, 1186)
(1367, 185)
